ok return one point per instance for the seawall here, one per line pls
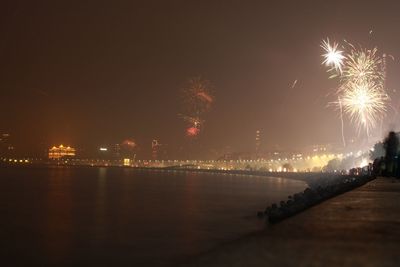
(358, 228)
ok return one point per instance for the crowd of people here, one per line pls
(389, 165)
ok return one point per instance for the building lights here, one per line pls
(61, 152)
(127, 162)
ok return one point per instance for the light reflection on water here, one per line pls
(126, 217)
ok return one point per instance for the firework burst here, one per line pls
(192, 131)
(363, 66)
(197, 101)
(364, 103)
(333, 57)
(197, 96)
(361, 93)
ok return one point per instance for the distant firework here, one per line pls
(361, 93)
(197, 96)
(194, 125)
(192, 131)
(196, 121)
(129, 144)
(197, 101)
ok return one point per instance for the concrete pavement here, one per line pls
(358, 228)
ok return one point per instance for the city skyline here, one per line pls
(161, 151)
(68, 77)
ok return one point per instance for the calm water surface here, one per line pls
(124, 217)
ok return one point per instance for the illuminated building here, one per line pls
(103, 153)
(61, 152)
(128, 149)
(154, 149)
(6, 148)
(127, 162)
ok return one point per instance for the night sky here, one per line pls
(94, 72)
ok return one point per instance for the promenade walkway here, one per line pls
(358, 228)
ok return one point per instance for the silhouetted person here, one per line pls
(376, 167)
(382, 166)
(398, 166)
(391, 145)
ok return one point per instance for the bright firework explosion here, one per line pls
(197, 99)
(333, 57)
(361, 93)
(364, 103)
(364, 66)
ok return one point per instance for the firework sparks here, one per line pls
(205, 97)
(294, 83)
(361, 93)
(197, 97)
(363, 66)
(333, 57)
(197, 100)
(364, 103)
(129, 143)
(192, 131)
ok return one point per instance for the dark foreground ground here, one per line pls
(358, 228)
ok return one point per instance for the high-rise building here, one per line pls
(116, 151)
(258, 142)
(155, 146)
(159, 151)
(128, 149)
